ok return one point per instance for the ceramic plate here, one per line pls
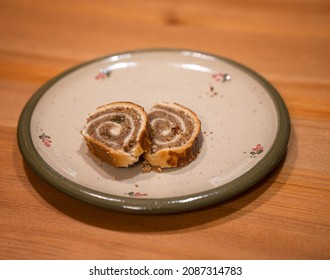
(245, 127)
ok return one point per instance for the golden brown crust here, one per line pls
(120, 157)
(175, 157)
(178, 156)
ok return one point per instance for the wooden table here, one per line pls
(286, 216)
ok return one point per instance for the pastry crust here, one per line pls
(181, 127)
(117, 133)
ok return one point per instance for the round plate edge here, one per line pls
(154, 206)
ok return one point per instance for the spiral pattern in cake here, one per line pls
(175, 133)
(117, 133)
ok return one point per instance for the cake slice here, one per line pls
(175, 133)
(117, 133)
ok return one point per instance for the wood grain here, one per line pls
(286, 216)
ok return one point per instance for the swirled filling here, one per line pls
(115, 127)
(169, 127)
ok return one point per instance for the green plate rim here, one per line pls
(161, 205)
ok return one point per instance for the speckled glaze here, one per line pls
(245, 126)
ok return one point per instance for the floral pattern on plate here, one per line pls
(240, 124)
